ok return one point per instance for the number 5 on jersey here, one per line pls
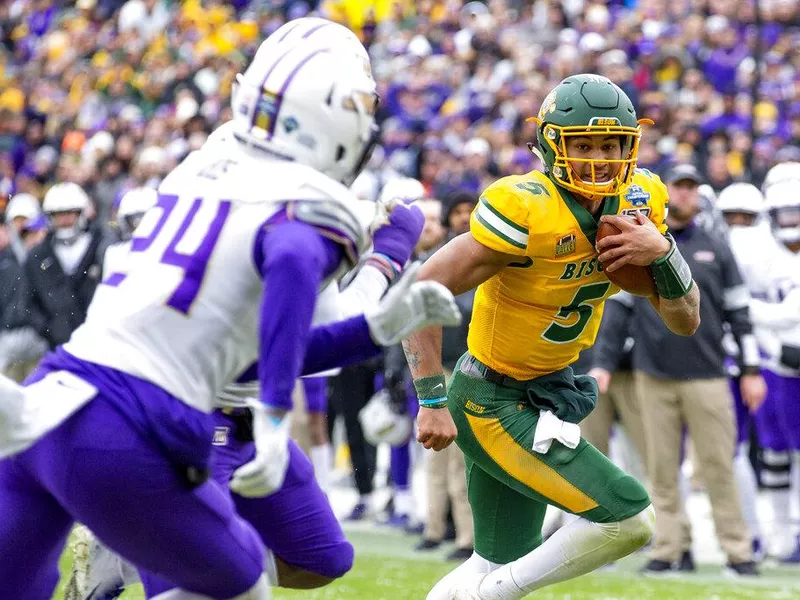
(561, 334)
(196, 235)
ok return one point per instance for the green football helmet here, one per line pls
(588, 105)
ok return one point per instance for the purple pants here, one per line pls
(778, 419)
(296, 522)
(119, 466)
(316, 390)
(743, 417)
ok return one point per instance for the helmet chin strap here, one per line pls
(67, 235)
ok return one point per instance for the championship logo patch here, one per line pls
(566, 244)
(637, 196)
(220, 436)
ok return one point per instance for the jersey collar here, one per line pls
(584, 218)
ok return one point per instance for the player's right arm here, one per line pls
(498, 236)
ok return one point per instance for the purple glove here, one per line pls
(397, 239)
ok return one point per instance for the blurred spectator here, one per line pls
(111, 93)
(22, 210)
(64, 269)
(446, 469)
(610, 364)
(690, 388)
(20, 346)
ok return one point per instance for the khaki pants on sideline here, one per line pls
(705, 406)
(622, 398)
(447, 479)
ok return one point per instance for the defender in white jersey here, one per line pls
(223, 272)
(777, 313)
(743, 211)
(305, 544)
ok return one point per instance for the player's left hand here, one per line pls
(409, 306)
(264, 474)
(639, 243)
(398, 238)
(436, 429)
(754, 391)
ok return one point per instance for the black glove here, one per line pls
(790, 357)
(398, 397)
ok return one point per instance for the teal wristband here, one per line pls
(432, 387)
(434, 402)
(671, 273)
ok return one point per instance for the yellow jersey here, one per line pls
(536, 315)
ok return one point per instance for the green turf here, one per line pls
(388, 569)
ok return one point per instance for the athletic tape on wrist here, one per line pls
(671, 273)
(386, 265)
(434, 402)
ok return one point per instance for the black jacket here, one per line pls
(59, 301)
(14, 309)
(723, 299)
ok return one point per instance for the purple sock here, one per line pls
(401, 466)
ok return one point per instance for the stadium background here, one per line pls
(112, 94)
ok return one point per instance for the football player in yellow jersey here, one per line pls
(514, 402)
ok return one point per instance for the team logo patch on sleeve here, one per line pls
(637, 196)
(566, 244)
(220, 436)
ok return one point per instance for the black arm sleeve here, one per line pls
(736, 311)
(609, 346)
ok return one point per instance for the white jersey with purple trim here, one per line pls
(326, 310)
(753, 248)
(184, 314)
(776, 315)
(115, 259)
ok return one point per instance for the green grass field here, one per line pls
(387, 568)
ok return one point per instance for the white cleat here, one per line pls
(468, 588)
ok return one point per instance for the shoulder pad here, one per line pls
(335, 220)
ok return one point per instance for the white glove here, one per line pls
(409, 306)
(264, 474)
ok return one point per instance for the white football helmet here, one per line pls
(787, 171)
(381, 424)
(132, 207)
(402, 189)
(308, 104)
(319, 33)
(67, 197)
(740, 199)
(783, 205)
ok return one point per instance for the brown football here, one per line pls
(631, 278)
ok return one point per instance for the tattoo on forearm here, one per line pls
(412, 356)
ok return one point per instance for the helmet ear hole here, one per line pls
(340, 152)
